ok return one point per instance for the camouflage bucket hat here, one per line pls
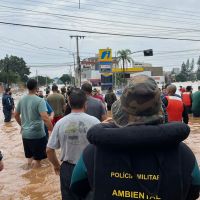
(140, 102)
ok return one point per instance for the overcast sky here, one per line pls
(50, 51)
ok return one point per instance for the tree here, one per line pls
(14, 68)
(186, 73)
(8, 78)
(66, 78)
(124, 56)
(44, 80)
(198, 69)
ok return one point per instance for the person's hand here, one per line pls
(1, 165)
(49, 132)
(57, 170)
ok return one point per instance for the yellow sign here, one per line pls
(106, 74)
(105, 55)
(128, 70)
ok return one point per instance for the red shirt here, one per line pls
(99, 97)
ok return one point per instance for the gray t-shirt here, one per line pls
(94, 107)
(69, 134)
(30, 107)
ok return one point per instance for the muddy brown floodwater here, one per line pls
(17, 183)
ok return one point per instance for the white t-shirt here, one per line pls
(70, 134)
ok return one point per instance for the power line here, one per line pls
(116, 13)
(95, 19)
(95, 5)
(101, 33)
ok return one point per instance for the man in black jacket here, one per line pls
(137, 156)
(7, 103)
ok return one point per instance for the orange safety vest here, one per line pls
(174, 108)
(186, 97)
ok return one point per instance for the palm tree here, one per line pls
(124, 56)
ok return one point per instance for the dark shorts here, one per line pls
(35, 148)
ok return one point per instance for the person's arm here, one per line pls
(194, 190)
(17, 117)
(51, 154)
(51, 116)
(79, 181)
(46, 120)
(165, 101)
(63, 103)
(185, 115)
(54, 143)
(42, 109)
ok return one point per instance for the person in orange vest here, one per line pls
(175, 107)
(187, 98)
(181, 89)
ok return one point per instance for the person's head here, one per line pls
(110, 89)
(77, 99)
(54, 88)
(181, 87)
(188, 88)
(140, 103)
(32, 85)
(69, 90)
(94, 91)
(47, 92)
(63, 90)
(40, 94)
(199, 88)
(171, 89)
(7, 90)
(166, 85)
(87, 88)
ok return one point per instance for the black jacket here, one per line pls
(138, 162)
(7, 102)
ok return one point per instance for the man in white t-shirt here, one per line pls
(69, 134)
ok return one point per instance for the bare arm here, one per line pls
(18, 118)
(51, 116)
(46, 120)
(103, 117)
(51, 154)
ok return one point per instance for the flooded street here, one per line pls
(17, 183)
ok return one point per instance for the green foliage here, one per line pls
(124, 56)
(44, 80)
(9, 77)
(198, 69)
(13, 69)
(186, 73)
(66, 78)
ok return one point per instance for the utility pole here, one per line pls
(46, 80)
(78, 69)
(79, 4)
(37, 76)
